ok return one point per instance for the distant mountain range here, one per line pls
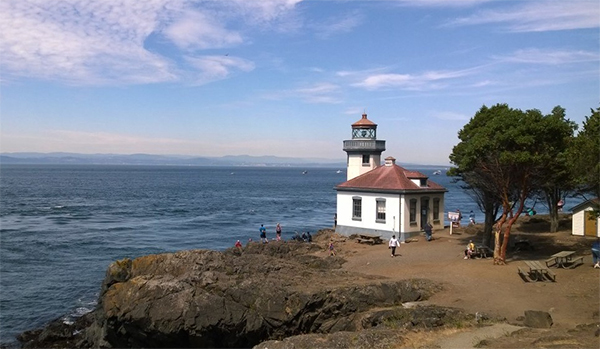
(172, 160)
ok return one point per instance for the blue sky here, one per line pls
(283, 77)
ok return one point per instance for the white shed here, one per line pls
(584, 223)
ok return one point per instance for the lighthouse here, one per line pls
(384, 200)
(363, 150)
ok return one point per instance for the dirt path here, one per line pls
(476, 285)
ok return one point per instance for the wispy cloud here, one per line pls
(537, 16)
(423, 81)
(441, 3)
(105, 42)
(553, 57)
(212, 68)
(318, 93)
(196, 30)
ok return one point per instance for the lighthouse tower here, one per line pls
(364, 150)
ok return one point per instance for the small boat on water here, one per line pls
(338, 171)
(437, 172)
(304, 172)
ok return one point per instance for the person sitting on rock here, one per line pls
(470, 250)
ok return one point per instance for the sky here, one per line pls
(283, 77)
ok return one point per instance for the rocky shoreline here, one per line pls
(276, 295)
(228, 299)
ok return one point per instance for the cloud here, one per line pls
(80, 41)
(212, 68)
(319, 93)
(551, 57)
(106, 42)
(537, 16)
(196, 30)
(441, 3)
(425, 81)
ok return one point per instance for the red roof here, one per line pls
(364, 122)
(389, 178)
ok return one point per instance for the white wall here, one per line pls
(397, 213)
(578, 223)
(355, 165)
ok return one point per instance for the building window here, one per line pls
(413, 212)
(365, 160)
(380, 217)
(356, 208)
(436, 209)
(423, 182)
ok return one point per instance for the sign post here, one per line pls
(454, 218)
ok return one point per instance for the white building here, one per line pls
(583, 220)
(384, 200)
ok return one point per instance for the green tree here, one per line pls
(584, 157)
(557, 179)
(507, 151)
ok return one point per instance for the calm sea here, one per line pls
(61, 226)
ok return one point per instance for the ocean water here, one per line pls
(61, 226)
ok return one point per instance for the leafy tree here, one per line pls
(506, 150)
(584, 158)
(557, 179)
(477, 187)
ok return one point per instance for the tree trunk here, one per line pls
(497, 244)
(490, 218)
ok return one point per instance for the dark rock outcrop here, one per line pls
(205, 298)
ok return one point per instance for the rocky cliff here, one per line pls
(202, 298)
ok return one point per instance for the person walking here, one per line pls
(393, 244)
(428, 228)
(278, 232)
(263, 234)
(596, 253)
(331, 248)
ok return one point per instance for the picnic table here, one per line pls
(369, 239)
(562, 258)
(537, 271)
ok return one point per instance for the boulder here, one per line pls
(537, 319)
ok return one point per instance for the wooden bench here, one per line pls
(538, 272)
(523, 274)
(576, 259)
(483, 252)
(550, 262)
(550, 275)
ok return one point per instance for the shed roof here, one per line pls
(585, 204)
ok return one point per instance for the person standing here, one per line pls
(278, 232)
(471, 218)
(331, 248)
(263, 234)
(596, 253)
(393, 244)
(428, 229)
